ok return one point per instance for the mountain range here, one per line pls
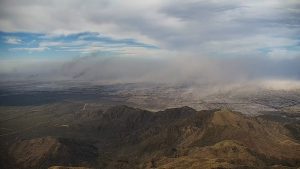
(127, 137)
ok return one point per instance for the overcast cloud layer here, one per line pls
(156, 40)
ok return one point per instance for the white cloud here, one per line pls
(195, 37)
(31, 49)
(170, 24)
(13, 40)
(281, 54)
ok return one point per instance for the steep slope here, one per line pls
(225, 154)
(180, 132)
(48, 151)
(264, 137)
(232, 140)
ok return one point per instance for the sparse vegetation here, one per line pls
(125, 137)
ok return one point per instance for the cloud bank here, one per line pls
(159, 41)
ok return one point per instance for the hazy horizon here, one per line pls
(219, 42)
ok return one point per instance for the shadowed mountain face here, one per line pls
(43, 152)
(125, 137)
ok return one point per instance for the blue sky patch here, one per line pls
(20, 44)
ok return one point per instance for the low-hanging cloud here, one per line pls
(177, 69)
(169, 41)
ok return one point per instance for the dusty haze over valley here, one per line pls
(164, 84)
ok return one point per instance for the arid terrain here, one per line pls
(149, 84)
(79, 127)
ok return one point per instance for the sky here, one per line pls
(115, 41)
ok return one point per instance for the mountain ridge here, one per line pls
(127, 137)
